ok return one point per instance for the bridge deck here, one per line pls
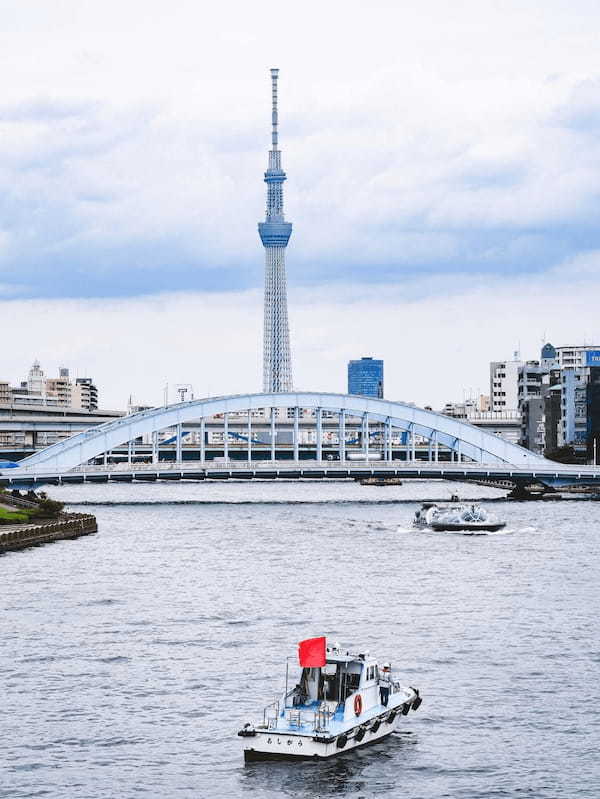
(336, 470)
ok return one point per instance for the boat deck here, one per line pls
(309, 718)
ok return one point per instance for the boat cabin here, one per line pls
(337, 683)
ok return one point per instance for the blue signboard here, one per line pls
(592, 358)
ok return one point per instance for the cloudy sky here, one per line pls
(443, 162)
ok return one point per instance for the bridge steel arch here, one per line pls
(465, 439)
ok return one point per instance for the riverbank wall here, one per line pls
(70, 525)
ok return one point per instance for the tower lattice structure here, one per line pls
(275, 233)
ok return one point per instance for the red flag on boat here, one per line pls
(312, 653)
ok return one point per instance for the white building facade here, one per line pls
(504, 385)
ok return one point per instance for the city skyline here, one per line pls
(419, 189)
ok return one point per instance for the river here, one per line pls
(130, 658)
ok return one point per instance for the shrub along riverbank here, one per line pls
(14, 517)
(14, 512)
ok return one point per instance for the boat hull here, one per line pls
(467, 527)
(270, 745)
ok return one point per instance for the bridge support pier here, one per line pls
(296, 445)
(273, 434)
(388, 439)
(249, 430)
(178, 443)
(342, 435)
(411, 450)
(319, 434)
(523, 491)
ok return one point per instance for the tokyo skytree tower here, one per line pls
(275, 233)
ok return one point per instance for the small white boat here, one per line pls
(346, 701)
(449, 518)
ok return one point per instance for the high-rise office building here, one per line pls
(504, 377)
(36, 381)
(39, 390)
(85, 394)
(574, 357)
(60, 387)
(548, 356)
(365, 377)
(593, 412)
(579, 425)
(536, 380)
(275, 233)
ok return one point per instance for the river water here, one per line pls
(130, 658)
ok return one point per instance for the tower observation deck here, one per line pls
(275, 233)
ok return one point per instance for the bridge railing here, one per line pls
(244, 465)
(349, 465)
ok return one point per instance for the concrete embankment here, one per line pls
(70, 525)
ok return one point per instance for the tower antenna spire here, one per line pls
(275, 233)
(275, 121)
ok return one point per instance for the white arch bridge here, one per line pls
(291, 435)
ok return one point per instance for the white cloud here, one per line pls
(433, 152)
(583, 265)
(434, 348)
(408, 131)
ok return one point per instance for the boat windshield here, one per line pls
(474, 514)
(465, 514)
(333, 682)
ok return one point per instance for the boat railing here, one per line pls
(318, 719)
(296, 716)
(322, 718)
(271, 714)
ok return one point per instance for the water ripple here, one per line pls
(129, 663)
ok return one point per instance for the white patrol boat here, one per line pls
(345, 702)
(455, 518)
